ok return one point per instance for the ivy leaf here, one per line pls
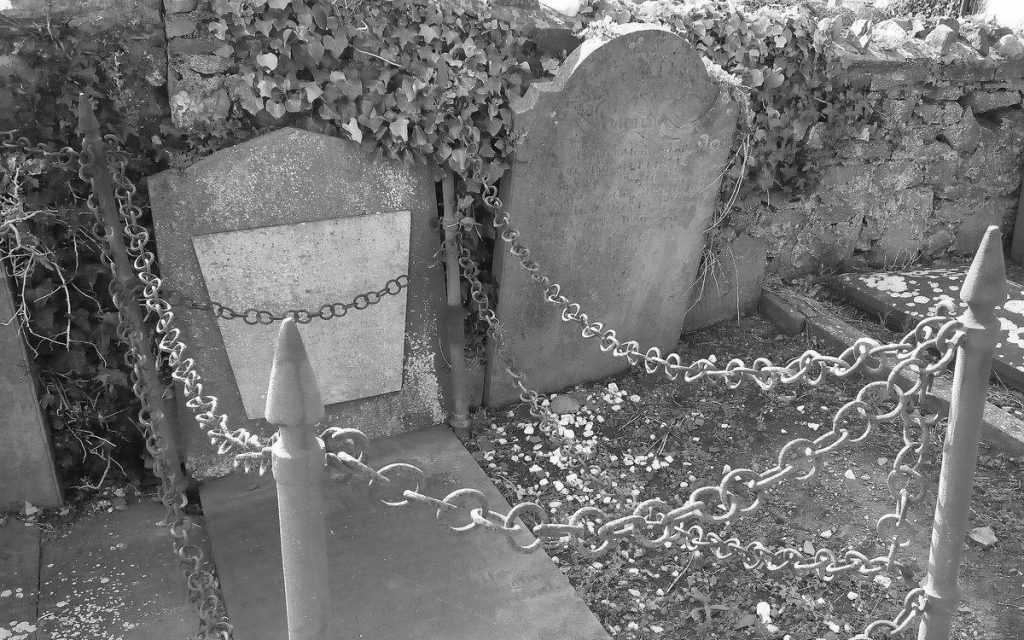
(313, 90)
(756, 77)
(774, 80)
(320, 16)
(267, 60)
(335, 44)
(400, 128)
(429, 33)
(279, 4)
(275, 109)
(352, 126)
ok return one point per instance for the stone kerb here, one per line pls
(295, 220)
(612, 186)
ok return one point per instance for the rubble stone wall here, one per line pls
(942, 163)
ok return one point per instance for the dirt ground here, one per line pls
(639, 436)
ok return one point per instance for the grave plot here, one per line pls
(904, 297)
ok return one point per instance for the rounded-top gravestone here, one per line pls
(612, 186)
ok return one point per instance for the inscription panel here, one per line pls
(302, 266)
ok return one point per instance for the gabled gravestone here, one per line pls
(295, 220)
(612, 188)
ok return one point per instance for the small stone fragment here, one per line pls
(808, 548)
(983, 536)
(941, 38)
(1009, 46)
(564, 404)
(850, 475)
(889, 35)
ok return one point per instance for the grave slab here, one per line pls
(19, 579)
(396, 573)
(26, 455)
(902, 298)
(115, 576)
(295, 219)
(612, 187)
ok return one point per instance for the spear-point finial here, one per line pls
(985, 284)
(87, 122)
(293, 398)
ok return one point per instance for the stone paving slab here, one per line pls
(396, 573)
(19, 579)
(905, 297)
(115, 577)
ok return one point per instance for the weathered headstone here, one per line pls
(26, 456)
(612, 188)
(296, 220)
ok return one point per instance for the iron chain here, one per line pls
(329, 311)
(203, 586)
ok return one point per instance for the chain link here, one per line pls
(203, 586)
(329, 311)
(64, 157)
(876, 401)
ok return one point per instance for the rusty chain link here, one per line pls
(64, 157)
(203, 586)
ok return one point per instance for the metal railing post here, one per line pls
(295, 405)
(459, 418)
(152, 389)
(983, 290)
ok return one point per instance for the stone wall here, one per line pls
(943, 163)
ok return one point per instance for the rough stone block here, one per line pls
(889, 35)
(993, 211)
(206, 64)
(194, 46)
(292, 177)
(902, 218)
(197, 100)
(982, 101)
(1010, 46)
(179, 26)
(180, 6)
(631, 135)
(941, 39)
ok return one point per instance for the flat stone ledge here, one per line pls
(1000, 430)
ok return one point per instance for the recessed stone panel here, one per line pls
(302, 266)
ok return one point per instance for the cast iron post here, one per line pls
(983, 290)
(459, 418)
(152, 387)
(295, 405)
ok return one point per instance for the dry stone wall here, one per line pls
(942, 162)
